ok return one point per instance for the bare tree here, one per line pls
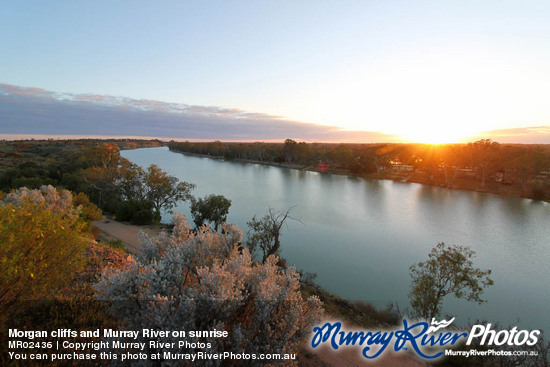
(265, 232)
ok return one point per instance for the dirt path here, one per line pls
(127, 233)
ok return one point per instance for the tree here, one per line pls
(483, 157)
(106, 155)
(130, 179)
(528, 163)
(265, 232)
(211, 208)
(100, 183)
(203, 281)
(289, 150)
(163, 190)
(136, 212)
(120, 186)
(448, 270)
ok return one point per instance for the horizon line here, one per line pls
(30, 137)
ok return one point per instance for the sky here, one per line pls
(428, 71)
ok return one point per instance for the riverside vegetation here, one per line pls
(62, 262)
(51, 264)
(484, 165)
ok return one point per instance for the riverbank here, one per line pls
(457, 182)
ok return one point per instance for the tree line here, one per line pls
(97, 170)
(483, 165)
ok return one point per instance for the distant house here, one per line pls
(465, 172)
(401, 168)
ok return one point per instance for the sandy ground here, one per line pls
(127, 233)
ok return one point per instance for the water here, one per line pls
(360, 235)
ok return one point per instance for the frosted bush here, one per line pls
(206, 281)
(57, 201)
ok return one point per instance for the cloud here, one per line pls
(36, 111)
(524, 135)
(26, 110)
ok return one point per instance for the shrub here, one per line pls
(205, 281)
(144, 216)
(41, 248)
(137, 212)
(87, 210)
(117, 244)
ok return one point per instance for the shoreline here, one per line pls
(389, 177)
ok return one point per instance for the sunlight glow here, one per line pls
(432, 98)
(436, 136)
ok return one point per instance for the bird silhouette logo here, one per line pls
(439, 325)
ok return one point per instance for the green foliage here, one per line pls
(136, 211)
(88, 211)
(31, 182)
(120, 186)
(72, 181)
(448, 270)
(27, 174)
(40, 249)
(118, 244)
(99, 183)
(388, 316)
(163, 190)
(144, 216)
(73, 306)
(212, 209)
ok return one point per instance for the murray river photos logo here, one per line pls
(429, 341)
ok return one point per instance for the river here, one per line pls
(361, 235)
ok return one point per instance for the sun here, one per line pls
(437, 134)
(432, 137)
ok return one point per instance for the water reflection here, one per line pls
(360, 236)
